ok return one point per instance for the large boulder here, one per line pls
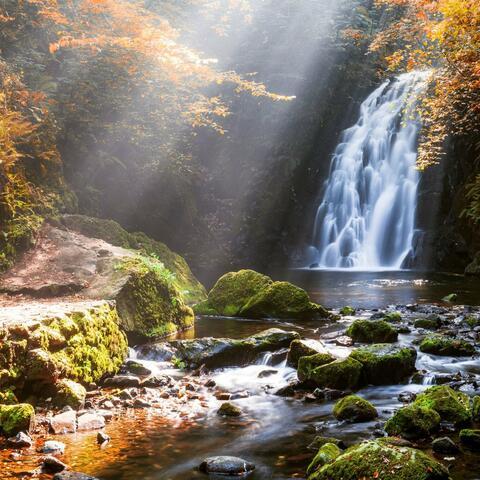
(63, 262)
(343, 374)
(413, 422)
(372, 331)
(16, 418)
(375, 459)
(306, 365)
(354, 409)
(249, 294)
(304, 348)
(220, 352)
(452, 406)
(385, 364)
(451, 347)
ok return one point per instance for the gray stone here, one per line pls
(226, 466)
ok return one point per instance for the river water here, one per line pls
(273, 432)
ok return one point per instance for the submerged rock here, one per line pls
(250, 294)
(372, 331)
(413, 422)
(354, 409)
(375, 459)
(441, 345)
(385, 364)
(226, 466)
(17, 418)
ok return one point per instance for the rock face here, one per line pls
(384, 364)
(354, 409)
(43, 344)
(440, 345)
(64, 262)
(372, 331)
(220, 352)
(376, 459)
(249, 294)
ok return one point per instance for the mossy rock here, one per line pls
(282, 300)
(470, 439)
(385, 364)
(69, 393)
(413, 422)
(476, 408)
(303, 348)
(341, 374)
(228, 409)
(8, 397)
(383, 461)
(393, 317)
(452, 406)
(16, 418)
(110, 231)
(306, 365)
(354, 409)
(326, 454)
(440, 345)
(428, 323)
(347, 311)
(319, 441)
(372, 331)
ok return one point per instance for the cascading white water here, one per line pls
(366, 218)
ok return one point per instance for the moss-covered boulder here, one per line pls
(413, 422)
(375, 459)
(341, 374)
(393, 317)
(428, 323)
(451, 347)
(307, 364)
(69, 393)
(354, 409)
(476, 408)
(304, 348)
(470, 438)
(326, 454)
(385, 364)
(347, 311)
(319, 441)
(8, 397)
(111, 232)
(249, 294)
(372, 331)
(452, 406)
(16, 418)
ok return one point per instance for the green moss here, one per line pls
(472, 322)
(470, 438)
(347, 311)
(8, 397)
(204, 308)
(476, 408)
(427, 323)
(69, 393)
(325, 455)
(372, 331)
(16, 418)
(340, 374)
(440, 345)
(304, 348)
(385, 364)
(392, 317)
(413, 422)
(354, 409)
(452, 406)
(113, 233)
(379, 460)
(307, 364)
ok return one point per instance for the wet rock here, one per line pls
(384, 364)
(20, 440)
(140, 403)
(406, 397)
(102, 437)
(470, 439)
(354, 409)
(432, 322)
(376, 459)
(210, 383)
(395, 441)
(372, 331)
(122, 381)
(329, 394)
(267, 373)
(441, 345)
(303, 348)
(229, 410)
(52, 446)
(445, 445)
(326, 454)
(51, 464)
(287, 390)
(137, 368)
(319, 441)
(73, 476)
(392, 317)
(226, 466)
(90, 421)
(239, 395)
(306, 365)
(450, 298)
(347, 311)
(413, 422)
(344, 341)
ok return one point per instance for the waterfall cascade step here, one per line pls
(366, 219)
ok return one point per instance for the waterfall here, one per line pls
(366, 218)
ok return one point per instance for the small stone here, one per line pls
(52, 464)
(20, 440)
(102, 437)
(122, 381)
(65, 422)
(223, 396)
(137, 368)
(267, 373)
(90, 421)
(140, 403)
(226, 466)
(444, 445)
(229, 410)
(344, 341)
(210, 383)
(52, 446)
